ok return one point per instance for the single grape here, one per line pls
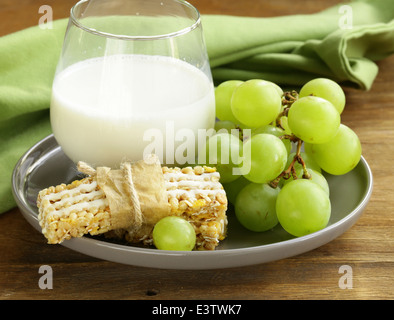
(268, 129)
(234, 187)
(308, 159)
(256, 103)
(302, 207)
(341, 154)
(174, 233)
(308, 150)
(273, 84)
(316, 177)
(276, 87)
(223, 95)
(255, 207)
(225, 124)
(266, 160)
(326, 89)
(278, 132)
(223, 151)
(285, 125)
(313, 119)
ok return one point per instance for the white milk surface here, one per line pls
(102, 107)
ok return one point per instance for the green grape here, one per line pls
(308, 151)
(308, 159)
(223, 94)
(313, 119)
(273, 84)
(223, 151)
(255, 207)
(276, 87)
(234, 187)
(326, 89)
(227, 126)
(285, 125)
(341, 154)
(316, 177)
(278, 132)
(256, 103)
(267, 158)
(224, 125)
(174, 233)
(302, 207)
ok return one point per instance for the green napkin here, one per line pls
(288, 50)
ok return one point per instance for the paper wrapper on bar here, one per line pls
(148, 182)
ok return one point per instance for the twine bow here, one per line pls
(119, 188)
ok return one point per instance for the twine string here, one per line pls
(128, 185)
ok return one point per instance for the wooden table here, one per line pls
(368, 247)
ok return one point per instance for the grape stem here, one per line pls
(241, 133)
(298, 157)
(288, 98)
(291, 137)
(280, 117)
(290, 171)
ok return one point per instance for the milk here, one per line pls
(102, 107)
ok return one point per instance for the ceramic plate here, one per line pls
(45, 164)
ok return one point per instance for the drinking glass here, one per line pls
(133, 78)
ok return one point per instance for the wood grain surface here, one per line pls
(368, 247)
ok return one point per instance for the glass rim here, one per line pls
(79, 24)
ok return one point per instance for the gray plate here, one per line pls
(45, 164)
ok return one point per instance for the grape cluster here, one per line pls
(293, 138)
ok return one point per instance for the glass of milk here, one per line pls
(133, 79)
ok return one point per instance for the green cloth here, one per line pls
(288, 50)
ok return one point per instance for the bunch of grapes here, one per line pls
(272, 148)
